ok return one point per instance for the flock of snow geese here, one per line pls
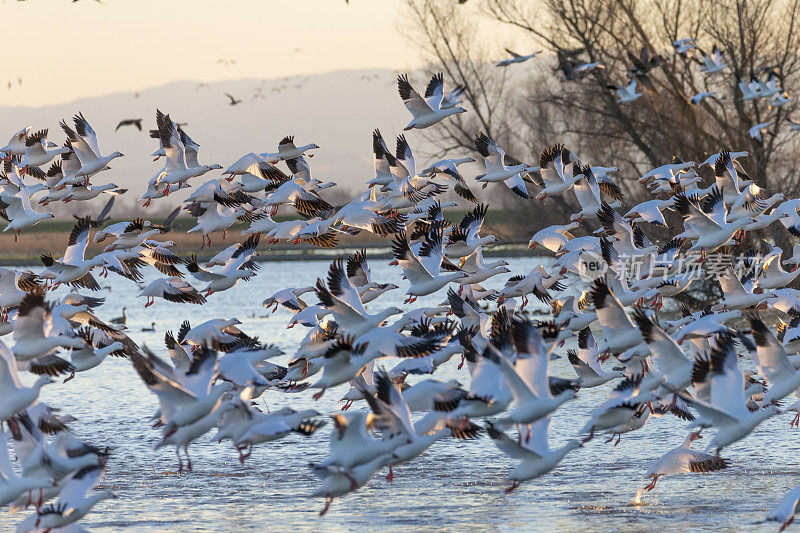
(687, 367)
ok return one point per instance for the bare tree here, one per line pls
(528, 112)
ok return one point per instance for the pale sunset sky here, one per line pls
(64, 50)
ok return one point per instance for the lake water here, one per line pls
(455, 486)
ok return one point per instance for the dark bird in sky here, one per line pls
(234, 101)
(130, 122)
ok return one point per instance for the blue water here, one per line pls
(455, 486)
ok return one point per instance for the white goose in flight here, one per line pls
(497, 170)
(83, 141)
(683, 460)
(425, 112)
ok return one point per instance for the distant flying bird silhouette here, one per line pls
(130, 122)
(234, 101)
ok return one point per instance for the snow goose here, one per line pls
(239, 266)
(650, 211)
(735, 296)
(342, 299)
(711, 226)
(15, 284)
(185, 435)
(83, 193)
(558, 170)
(713, 62)
(574, 313)
(93, 354)
(617, 411)
(699, 97)
(496, 168)
(771, 274)
(301, 195)
(288, 150)
(83, 140)
(337, 483)
(262, 223)
(288, 298)
(383, 175)
(33, 338)
(478, 270)
(175, 170)
(129, 234)
(528, 377)
(553, 237)
(425, 112)
(672, 367)
(276, 425)
(533, 448)
(683, 460)
(464, 240)
(626, 93)
(455, 180)
(351, 445)
(57, 459)
(213, 332)
(214, 217)
(618, 329)
(191, 148)
(174, 289)
(36, 152)
(516, 58)
(758, 131)
(772, 362)
(536, 282)
(666, 172)
(16, 397)
(16, 200)
(726, 409)
(16, 145)
(239, 363)
(712, 159)
(11, 485)
(587, 364)
(423, 268)
(365, 215)
(392, 417)
(343, 362)
(74, 500)
(73, 268)
(753, 201)
(184, 398)
(573, 70)
(588, 191)
(786, 509)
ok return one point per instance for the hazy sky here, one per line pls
(63, 51)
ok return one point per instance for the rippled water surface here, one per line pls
(455, 486)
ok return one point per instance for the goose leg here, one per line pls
(318, 395)
(652, 484)
(513, 487)
(328, 501)
(390, 475)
